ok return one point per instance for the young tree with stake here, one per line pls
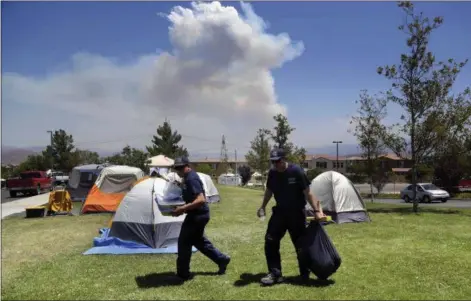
(421, 86)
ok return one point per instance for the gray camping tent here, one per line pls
(339, 198)
(81, 180)
(139, 219)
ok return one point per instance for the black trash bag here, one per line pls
(318, 252)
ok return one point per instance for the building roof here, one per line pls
(328, 157)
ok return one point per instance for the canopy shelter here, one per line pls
(160, 164)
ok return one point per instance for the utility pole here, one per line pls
(337, 142)
(235, 155)
(223, 157)
(51, 152)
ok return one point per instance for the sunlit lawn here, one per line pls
(399, 255)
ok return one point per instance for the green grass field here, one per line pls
(400, 255)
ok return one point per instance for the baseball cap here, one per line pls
(277, 154)
(180, 162)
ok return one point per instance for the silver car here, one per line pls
(426, 192)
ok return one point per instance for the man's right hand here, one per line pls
(319, 215)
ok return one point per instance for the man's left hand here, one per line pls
(178, 211)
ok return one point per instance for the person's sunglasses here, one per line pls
(275, 161)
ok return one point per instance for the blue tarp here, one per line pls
(105, 244)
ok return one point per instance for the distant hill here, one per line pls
(16, 155)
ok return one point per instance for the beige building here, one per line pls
(327, 162)
(218, 167)
(388, 162)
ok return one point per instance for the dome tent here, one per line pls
(81, 180)
(110, 188)
(138, 225)
(339, 198)
(212, 193)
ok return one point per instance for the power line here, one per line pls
(149, 136)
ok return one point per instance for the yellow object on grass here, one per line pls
(326, 218)
(59, 201)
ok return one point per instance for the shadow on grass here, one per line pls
(422, 209)
(165, 279)
(247, 278)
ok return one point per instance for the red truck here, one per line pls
(464, 185)
(29, 182)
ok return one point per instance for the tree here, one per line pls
(86, 157)
(280, 136)
(379, 179)
(32, 162)
(166, 142)
(424, 173)
(422, 88)
(258, 157)
(369, 131)
(451, 158)
(356, 171)
(204, 168)
(312, 173)
(245, 173)
(131, 157)
(61, 151)
(452, 166)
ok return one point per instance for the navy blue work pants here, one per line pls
(192, 234)
(282, 220)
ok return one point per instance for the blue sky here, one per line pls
(344, 43)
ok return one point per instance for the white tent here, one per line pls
(339, 198)
(230, 179)
(138, 218)
(212, 193)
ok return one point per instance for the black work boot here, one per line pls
(185, 276)
(304, 277)
(271, 279)
(223, 266)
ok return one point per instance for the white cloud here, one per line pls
(217, 79)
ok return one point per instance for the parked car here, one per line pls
(58, 178)
(29, 182)
(426, 192)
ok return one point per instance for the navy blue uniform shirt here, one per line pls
(288, 187)
(192, 187)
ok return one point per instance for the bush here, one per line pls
(312, 173)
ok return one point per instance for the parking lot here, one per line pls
(388, 188)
